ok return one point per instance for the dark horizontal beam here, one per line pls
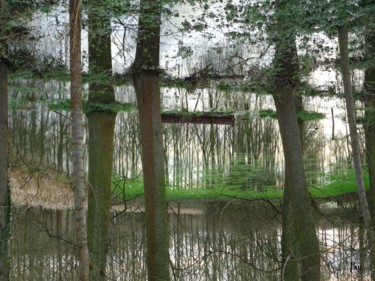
(218, 118)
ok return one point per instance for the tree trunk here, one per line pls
(369, 128)
(5, 202)
(301, 124)
(296, 198)
(101, 135)
(350, 111)
(300, 245)
(77, 140)
(147, 87)
(369, 125)
(100, 56)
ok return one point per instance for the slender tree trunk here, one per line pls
(147, 87)
(300, 245)
(5, 202)
(80, 225)
(369, 126)
(350, 111)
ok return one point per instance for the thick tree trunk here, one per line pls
(300, 245)
(101, 134)
(151, 134)
(100, 55)
(5, 202)
(350, 111)
(296, 197)
(77, 139)
(147, 87)
(289, 245)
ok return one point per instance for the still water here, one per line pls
(232, 240)
(210, 240)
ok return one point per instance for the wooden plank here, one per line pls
(218, 118)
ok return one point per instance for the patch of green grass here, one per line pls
(20, 103)
(127, 189)
(108, 107)
(267, 113)
(185, 113)
(177, 83)
(338, 185)
(310, 116)
(303, 115)
(133, 188)
(221, 193)
(60, 105)
(243, 88)
(88, 107)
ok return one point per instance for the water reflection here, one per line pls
(213, 241)
(233, 240)
(245, 155)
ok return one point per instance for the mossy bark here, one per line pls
(101, 136)
(100, 55)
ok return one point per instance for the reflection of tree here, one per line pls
(256, 144)
(313, 152)
(127, 162)
(39, 135)
(215, 245)
(240, 239)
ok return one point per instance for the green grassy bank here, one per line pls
(335, 185)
